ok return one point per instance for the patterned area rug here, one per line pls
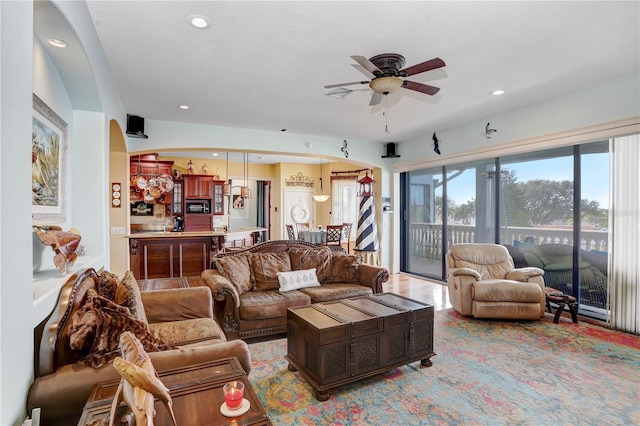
(484, 373)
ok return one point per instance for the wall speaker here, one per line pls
(391, 150)
(135, 126)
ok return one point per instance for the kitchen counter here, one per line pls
(172, 234)
(184, 254)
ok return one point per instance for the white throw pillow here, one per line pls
(295, 280)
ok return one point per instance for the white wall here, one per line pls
(26, 69)
(16, 341)
(608, 102)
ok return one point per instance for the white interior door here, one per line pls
(299, 207)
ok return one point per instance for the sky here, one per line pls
(595, 177)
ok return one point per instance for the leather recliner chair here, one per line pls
(484, 283)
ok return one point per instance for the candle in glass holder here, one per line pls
(233, 394)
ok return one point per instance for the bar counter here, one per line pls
(183, 254)
(174, 234)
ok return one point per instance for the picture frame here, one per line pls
(49, 135)
(238, 210)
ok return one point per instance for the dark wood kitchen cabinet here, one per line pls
(198, 186)
(149, 165)
(166, 257)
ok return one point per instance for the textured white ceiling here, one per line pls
(263, 65)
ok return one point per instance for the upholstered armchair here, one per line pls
(484, 283)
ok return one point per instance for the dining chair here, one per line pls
(346, 235)
(334, 235)
(290, 232)
(302, 226)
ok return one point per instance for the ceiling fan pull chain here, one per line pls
(386, 116)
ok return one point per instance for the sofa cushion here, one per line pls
(107, 285)
(128, 295)
(187, 331)
(506, 291)
(266, 267)
(96, 327)
(295, 280)
(257, 305)
(237, 269)
(329, 292)
(319, 258)
(345, 269)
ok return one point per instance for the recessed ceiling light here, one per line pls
(215, 154)
(199, 21)
(497, 92)
(55, 42)
(183, 106)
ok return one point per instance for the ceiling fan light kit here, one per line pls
(385, 85)
(387, 75)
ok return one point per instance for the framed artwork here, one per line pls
(48, 164)
(238, 202)
(239, 206)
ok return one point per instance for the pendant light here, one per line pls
(322, 197)
(226, 188)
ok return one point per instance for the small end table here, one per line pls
(561, 299)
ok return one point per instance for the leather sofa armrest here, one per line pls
(456, 272)
(523, 274)
(220, 286)
(373, 276)
(177, 304)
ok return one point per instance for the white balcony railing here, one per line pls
(426, 238)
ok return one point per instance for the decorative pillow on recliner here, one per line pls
(128, 295)
(345, 268)
(237, 269)
(319, 258)
(266, 267)
(96, 327)
(107, 285)
(295, 280)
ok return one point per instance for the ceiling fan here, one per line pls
(386, 74)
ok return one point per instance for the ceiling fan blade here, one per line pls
(429, 65)
(331, 86)
(376, 98)
(419, 87)
(366, 64)
(363, 70)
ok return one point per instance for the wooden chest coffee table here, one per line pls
(196, 392)
(335, 343)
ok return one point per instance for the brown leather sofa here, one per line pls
(181, 318)
(248, 299)
(484, 283)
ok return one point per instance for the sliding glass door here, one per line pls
(528, 203)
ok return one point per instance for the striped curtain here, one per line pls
(624, 266)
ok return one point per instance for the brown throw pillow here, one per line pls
(345, 269)
(128, 295)
(237, 269)
(319, 258)
(96, 327)
(266, 267)
(107, 285)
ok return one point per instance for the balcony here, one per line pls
(550, 249)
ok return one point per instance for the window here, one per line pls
(344, 201)
(526, 202)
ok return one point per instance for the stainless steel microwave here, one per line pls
(199, 207)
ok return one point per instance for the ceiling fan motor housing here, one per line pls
(388, 63)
